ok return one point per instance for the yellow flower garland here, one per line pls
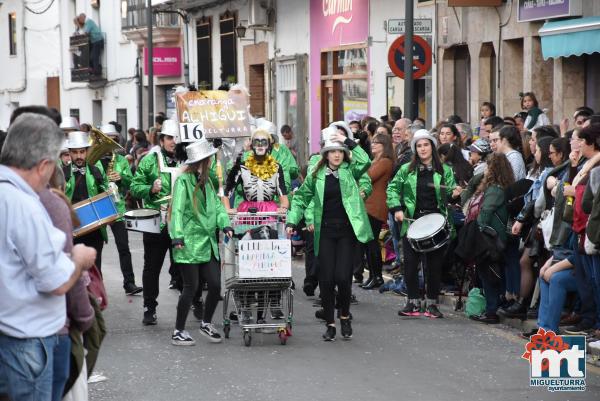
(264, 170)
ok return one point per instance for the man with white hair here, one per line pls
(35, 273)
(401, 137)
(96, 41)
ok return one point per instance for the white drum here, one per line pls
(429, 233)
(143, 220)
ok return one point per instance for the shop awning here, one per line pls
(572, 37)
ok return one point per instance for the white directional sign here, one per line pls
(397, 26)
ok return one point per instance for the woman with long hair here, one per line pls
(448, 133)
(492, 213)
(197, 213)
(380, 173)
(340, 222)
(452, 155)
(419, 188)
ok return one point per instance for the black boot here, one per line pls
(376, 282)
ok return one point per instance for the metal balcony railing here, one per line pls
(134, 15)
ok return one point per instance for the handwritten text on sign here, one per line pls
(211, 114)
(265, 258)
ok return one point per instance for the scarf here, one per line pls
(264, 170)
(534, 113)
(329, 171)
(75, 169)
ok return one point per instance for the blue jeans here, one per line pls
(552, 298)
(491, 292)
(26, 367)
(62, 366)
(512, 267)
(585, 290)
(395, 230)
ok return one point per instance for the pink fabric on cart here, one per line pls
(268, 206)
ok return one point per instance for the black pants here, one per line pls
(192, 275)
(156, 247)
(336, 250)
(432, 273)
(95, 55)
(94, 240)
(122, 242)
(311, 265)
(373, 249)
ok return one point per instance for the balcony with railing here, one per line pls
(166, 28)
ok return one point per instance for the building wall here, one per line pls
(488, 33)
(43, 51)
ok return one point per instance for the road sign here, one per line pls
(421, 57)
(397, 26)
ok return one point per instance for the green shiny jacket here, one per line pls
(402, 192)
(143, 179)
(93, 187)
(195, 216)
(364, 186)
(312, 190)
(121, 166)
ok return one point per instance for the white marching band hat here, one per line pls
(78, 139)
(199, 150)
(422, 134)
(69, 123)
(328, 144)
(109, 129)
(170, 127)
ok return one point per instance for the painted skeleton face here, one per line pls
(260, 146)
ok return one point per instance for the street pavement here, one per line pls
(388, 358)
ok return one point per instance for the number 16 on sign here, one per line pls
(191, 132)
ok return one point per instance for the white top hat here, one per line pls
(264, 124)
(171, 128)
(345, 126)
(69, 123)
(422, 134)
(199, 150)
(65, 146)
(79, 139)
(109, 129)
(334, 145)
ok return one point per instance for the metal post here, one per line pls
(408, 60)
(140, 87)
(186, 51)
(150, 69)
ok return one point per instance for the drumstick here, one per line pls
(432, 185)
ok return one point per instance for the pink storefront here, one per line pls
(339, 65)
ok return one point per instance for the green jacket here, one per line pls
(195, 216)
(364, 185)
(121, 166)
(312, 190)
(146, 173)
(493, 211)
(402, 192)
(93, 187)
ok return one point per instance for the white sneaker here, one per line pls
(209, 331)
(182, 338)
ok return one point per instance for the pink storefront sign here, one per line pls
(167, 61)
(332, 23)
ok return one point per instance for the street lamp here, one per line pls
(240, 31)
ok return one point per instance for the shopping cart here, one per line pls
(258, 277)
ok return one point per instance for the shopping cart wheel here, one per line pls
(247, 339)
(226, 330)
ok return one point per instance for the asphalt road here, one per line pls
(389, 358)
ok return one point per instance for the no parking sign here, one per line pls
(422, 57)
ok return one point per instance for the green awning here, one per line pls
(572, 37)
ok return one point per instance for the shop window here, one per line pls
(204, 53)
(344, 84)
(227, 23)
(12, 34)
(487, 73)
(74, 113)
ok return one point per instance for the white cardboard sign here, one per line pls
(265, 258)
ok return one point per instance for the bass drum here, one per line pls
(429, 233)
(143, 220)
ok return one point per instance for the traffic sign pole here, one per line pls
(408, 60)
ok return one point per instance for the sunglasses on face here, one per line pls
(260, 142)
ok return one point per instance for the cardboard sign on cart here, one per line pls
(265, 258)
(211, 114)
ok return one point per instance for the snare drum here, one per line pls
(95, 213)
(143, 220)
(429, 233)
